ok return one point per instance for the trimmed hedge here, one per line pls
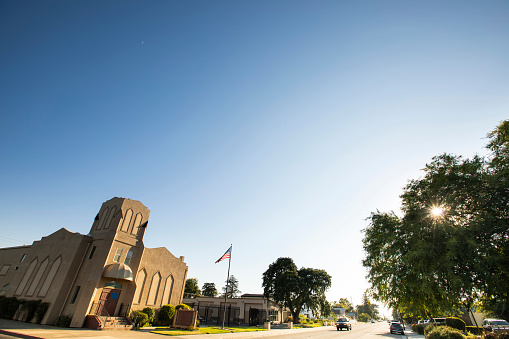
(24, 310)
(138, 318)
(456, 323)
(475, 330)
(183, 306)
(445, 332)
(497, 335)
(8, 307)
(151, 314)
(166, 314)
(64, 320)
(418, 328)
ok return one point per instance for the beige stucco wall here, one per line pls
(68, 246)
(160, 260)
(120, 224)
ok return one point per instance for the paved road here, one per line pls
(359, 331)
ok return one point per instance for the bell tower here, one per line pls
(126, 217)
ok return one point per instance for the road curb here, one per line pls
(19, 335)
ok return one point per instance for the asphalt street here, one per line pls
(379, 330)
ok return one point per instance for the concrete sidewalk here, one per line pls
(18, 329)
(413, 335)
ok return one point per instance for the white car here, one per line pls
(492, 325)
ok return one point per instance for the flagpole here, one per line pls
(227, 281)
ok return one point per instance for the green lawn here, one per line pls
(205, 330)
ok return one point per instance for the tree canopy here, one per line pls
(368, 307)
(233, 287)
(295, 288)
(192, 286)
(209, 290)
(451, 246)
(344, 303)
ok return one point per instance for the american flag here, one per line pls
(226, 255)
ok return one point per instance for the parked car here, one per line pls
(343, 323)
(439, 321)
(493, 325)
(397, 328)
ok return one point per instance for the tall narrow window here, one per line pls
(154, 289)
(108, 222)
(168, 287)
(103, 218)
(27, 275)
(140, 283)
(136, 224)
(75, 295)
(128, 257)
(116, 258)
(92, 251)
(49, 278)
(127, 220)
(37, 278)
(23, 257)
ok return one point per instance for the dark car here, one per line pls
(397, 328)
(343, 323)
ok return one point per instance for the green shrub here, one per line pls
(64, 320)
(183, 307)
(29, 308)
(138, 318)
(150, 314)
(364, 317)
(475, 330)
(418, 328)
(497, 335)
(40, 312)
(444, 332)
(8, 307)
(456, 323)
(166, 313)
(428, 328)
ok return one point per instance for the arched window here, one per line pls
(127, 220)
(154, 289)
(140, 283)
(27, 275)
(108, 222)
(51, 275)
(103, 218)
(137, 223)
(37, 278)
(168, 288)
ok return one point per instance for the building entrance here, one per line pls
(108, 301)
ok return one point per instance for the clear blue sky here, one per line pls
(275, 126)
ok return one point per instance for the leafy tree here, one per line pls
(451, 246)
(192, 286)
(367, 307)
(364, 317)
(209, 290)
(344, 303)
(295, 288)
(233, 287)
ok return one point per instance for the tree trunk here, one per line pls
(295, 317)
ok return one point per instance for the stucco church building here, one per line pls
(105, 272)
